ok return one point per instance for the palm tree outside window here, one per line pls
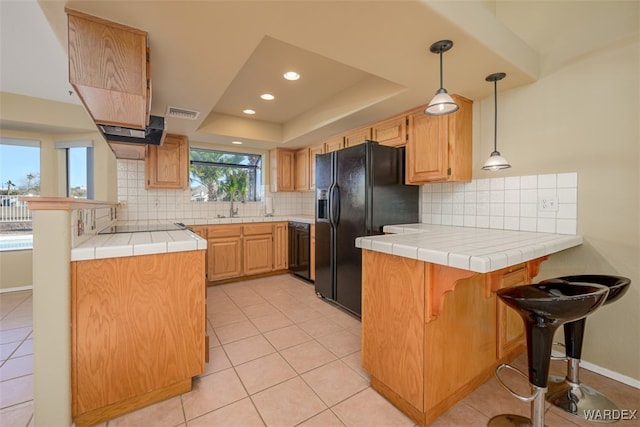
(225, 176)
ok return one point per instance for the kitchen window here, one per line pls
(78, 157)
(224, 176)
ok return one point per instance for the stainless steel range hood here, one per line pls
(153, 134)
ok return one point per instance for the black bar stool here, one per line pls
(569, 393)
(543, 308)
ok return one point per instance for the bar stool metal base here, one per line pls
(579, 399)
(509, 420)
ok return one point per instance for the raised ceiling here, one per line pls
(360, 61)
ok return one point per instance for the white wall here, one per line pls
(583, 117)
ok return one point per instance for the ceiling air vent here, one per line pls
(182, 113)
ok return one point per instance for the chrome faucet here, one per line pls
(233, 212)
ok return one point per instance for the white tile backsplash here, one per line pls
(138, 203)
(509, 203)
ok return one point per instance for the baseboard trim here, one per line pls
(632, 382)
(16, 289)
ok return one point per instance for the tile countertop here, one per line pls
(307, 219)
(476, 249)
(157, 242)
(131, 244)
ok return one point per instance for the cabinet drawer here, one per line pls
(224, 231)
(253, 229)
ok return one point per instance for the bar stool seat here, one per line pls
(568, 393)
(544, 308)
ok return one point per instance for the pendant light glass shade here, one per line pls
(441, 103)
(495, 161)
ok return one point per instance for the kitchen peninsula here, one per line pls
(127, 313)
(432, 327)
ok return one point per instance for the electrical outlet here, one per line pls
(548, 204)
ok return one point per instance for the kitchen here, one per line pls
(529, 128)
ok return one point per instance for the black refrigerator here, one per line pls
(359, 190)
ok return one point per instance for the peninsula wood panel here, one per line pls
(393, 300)
(138, 325)
(429, 332)
(459, 350)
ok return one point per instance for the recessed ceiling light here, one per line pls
(236, 142)
(291, 75)
(267, 97)
(248, 111)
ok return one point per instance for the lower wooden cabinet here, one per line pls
(236, 250)
(137, 331)
(224, 251)
(280, 246)
(510, 327)
(257, 248)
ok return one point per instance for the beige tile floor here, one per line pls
(280, 357)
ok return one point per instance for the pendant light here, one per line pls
(495, 161)
(441, 103)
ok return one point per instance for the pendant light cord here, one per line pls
(495, 115)
(441, 85)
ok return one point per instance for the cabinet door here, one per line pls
(224, 257)
(510, 326)
(334, 144)
(313, 153)
(258, 255)
(392, 131)
(302, 170)
(282, 170)
(427, 148)
(108, 70)
(280, 246)
(167, 165)
(439, 147)
(357, 136)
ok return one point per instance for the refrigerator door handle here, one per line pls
(335, 205)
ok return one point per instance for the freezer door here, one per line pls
(325, 233)
(350, 183)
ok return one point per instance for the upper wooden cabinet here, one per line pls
(313, 153)
(282, 169)
(302, 170)
(392, 131)
(333, 144)
(357, 136)
(109, 70)
(439, 147)
(167, 165)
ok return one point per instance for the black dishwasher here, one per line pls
(299, 248)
